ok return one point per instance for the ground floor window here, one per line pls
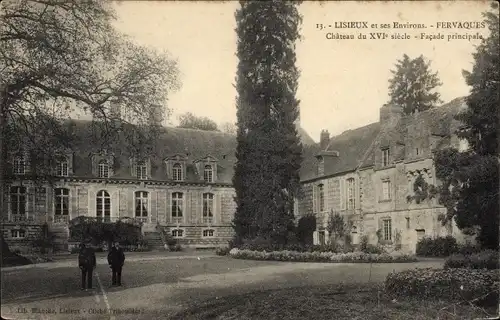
(387, 230)
(18, 233)
(177, 233)
(208, 232)
(321, 236)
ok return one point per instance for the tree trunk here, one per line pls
(3, 149)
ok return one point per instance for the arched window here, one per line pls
(63, 168)
(177, 205)
(208, 207)
(103, 205)
(208, 173)
(18, 201)
(177, 172)
(141, 170)
(19, 165)
(141, 204)
(61, 202)
(103, 169)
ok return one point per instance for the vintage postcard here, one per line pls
(249, 159)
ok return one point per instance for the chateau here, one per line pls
(368, 176)
(365, 174)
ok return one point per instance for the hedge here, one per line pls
(487, 259)
(445, 284)
(316, 256)
(438, 247)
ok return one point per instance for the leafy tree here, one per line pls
(470, 185)
(61, 57)
(269, 152)
(412, 85)
(190, 121)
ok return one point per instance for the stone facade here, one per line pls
(381, 162)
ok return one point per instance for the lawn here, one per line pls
(329, 302)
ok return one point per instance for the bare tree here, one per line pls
(228, 127)
(58, 57)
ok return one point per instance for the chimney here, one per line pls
(390, 114)
(324, 139)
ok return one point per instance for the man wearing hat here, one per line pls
(86, 262)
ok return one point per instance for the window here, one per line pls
(385, 157)
(18, 233)
(177, 172)
(141, 204)
(208, 174)
(386, 190)
(19, 165)
(141, 170)
(321, 198)
(103, 169)
(177, 205)
(208, 233)
(350, 194)
(417, 152)
(61, 204)
(387, 229)
(103, 205)
(18, 201)
(208, 207)
(63, 168)
(407, 223)
(177, 233)
(321, 236)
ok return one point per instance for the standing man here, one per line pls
(116, 258)
(87, 262)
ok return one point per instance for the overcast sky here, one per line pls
(343, 83)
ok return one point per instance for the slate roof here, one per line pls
(190, 143)
(356, 147)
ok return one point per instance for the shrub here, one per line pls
(487, 259)
(468, 249)
(222, 251)
(447, 284)
(318, 256)
(438, 247)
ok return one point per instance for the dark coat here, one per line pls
(86, 258)
(116, 257)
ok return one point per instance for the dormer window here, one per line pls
(385, 157)
(141, 170)
(177, 172)
(63, 168)
(103, 168)
(19, 165)
(208, 174)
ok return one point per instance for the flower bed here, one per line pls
(487, 259)
(316, 256)
(447, 284)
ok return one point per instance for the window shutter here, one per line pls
(315, 238)
(343, 198)
(327, 237)
(114, 204)
(92, 203)
(30, 202)
(218, 207)
(314, 199)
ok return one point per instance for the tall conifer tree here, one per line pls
(269, 152)
(470, 184)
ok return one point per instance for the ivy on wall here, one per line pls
(421, 190)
